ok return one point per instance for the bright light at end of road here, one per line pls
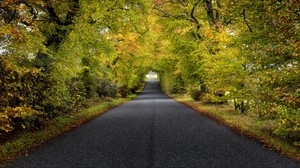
(151, 76)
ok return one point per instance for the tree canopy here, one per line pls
(57, 56)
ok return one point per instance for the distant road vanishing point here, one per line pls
(153, 131)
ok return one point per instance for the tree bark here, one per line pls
(210, 12)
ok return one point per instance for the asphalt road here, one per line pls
(153, 131)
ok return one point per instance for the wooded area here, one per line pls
(60, 56)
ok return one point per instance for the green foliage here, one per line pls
(246, 49)
(288, 124)
(75, 87)
(106, 88)
(64, 55)
(213, 99)
(124, 91)
(22, 85)
(172, 83)
(196, 94)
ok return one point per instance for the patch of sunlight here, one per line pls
(151, 76)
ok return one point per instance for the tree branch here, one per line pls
(182, 3)
(166, 14)
(73, 12)
(32, 9)
(210, 12)
(164, 3)
(138, 31)
(54, 16)
(111, 8)
(12, 17)
(245, 20)
(70, 15)
(192, 14)
(219, 6)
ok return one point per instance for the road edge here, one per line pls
(57, 127)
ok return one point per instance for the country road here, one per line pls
(152, 131)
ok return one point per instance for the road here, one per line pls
(153, 131)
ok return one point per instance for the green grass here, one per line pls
(246, 124)
(58, 126)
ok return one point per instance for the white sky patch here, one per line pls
(151, 76)
(2, 51)
(3, 47)
(104, 30)
(126, 7)
(31, 56)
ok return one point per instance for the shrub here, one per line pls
(195, 94)
(219, 93)
(105, 88)
(288, 123)
(22, 85)
(89, 83)
(20, 118)
(172, 83)
(5, 123)
(76, 91)
(213, 99)
(124, 91)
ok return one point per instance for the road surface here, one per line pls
(153, 131)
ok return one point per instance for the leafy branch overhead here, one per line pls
(58, 56)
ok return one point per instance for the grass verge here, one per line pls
(246, 124)
(58, 126)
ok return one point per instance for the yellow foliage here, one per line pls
(206, 31)
(5, 123)
(26, 115)
(127, 43)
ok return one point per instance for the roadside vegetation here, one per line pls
(61, 56)
(245, 53)
(62, 63)
(249, 124)
(57, 57)
(21, 143)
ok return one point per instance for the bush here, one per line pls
(213, 99)
(172, 83)
(89, 82)
(288, 123)
(195, 94)
(76, 91)
(20, 118)
(105, 88)
(219, 93)
(22, 85)
(124, 91)
(138, 86)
